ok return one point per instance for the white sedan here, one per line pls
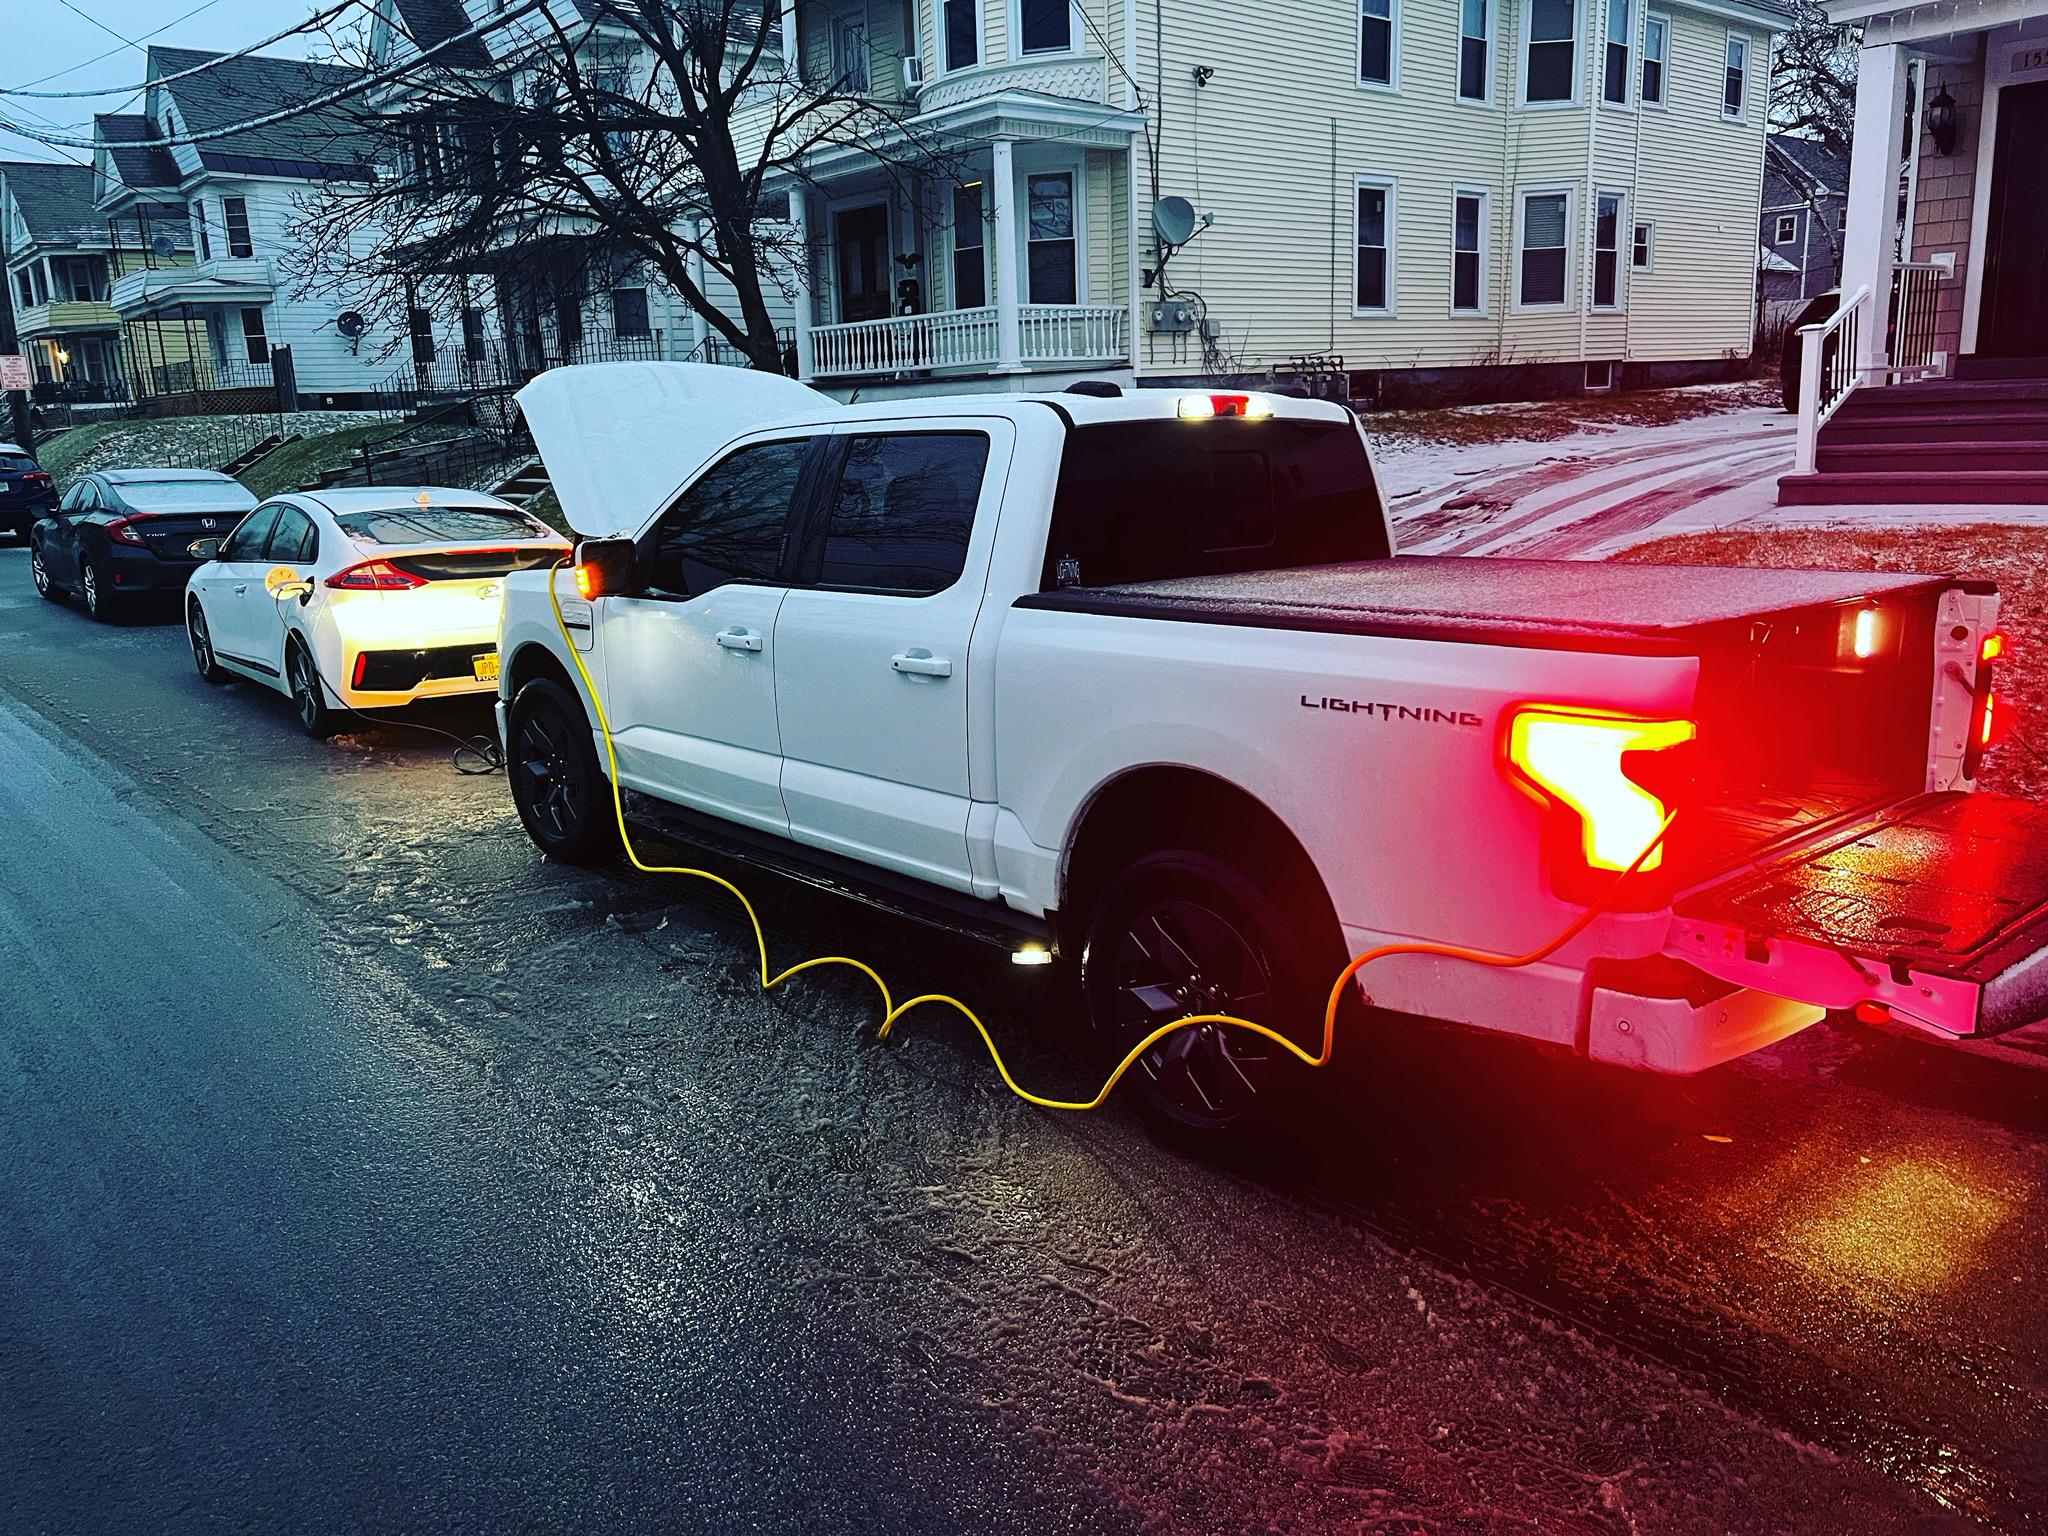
(362, 599)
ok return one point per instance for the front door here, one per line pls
(872, 672)
(2014, 315)
(689, 662)
(861, 237)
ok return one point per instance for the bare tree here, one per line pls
(1813, 78)
(653, 135)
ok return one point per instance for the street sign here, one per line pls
(15, 372)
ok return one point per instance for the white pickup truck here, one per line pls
(1137, 677)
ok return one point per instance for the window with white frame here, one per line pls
(255, 344)
(970, 248)
(1377, 40)
(1842, 217)
(25, 286)
(1545, 249)
(1787, 229)
(1643, 249)
(1468, 251)
(1607, 250)
(1735, 78)
(1475, 50)
(234, 218)
(1550, 63)
(1621, 21)
(961, 46)
(1656, 57)
(196, 211)
(1052, 273)
(1372, 286)
(850, 50)
(1045, 26)
(630, 315)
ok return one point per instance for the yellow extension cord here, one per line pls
(892, 1011)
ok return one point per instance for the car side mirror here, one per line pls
(205, 549)
(607, 568)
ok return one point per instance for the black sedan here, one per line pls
(26, 492)
(121, 533)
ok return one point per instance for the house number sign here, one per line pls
(2029, 59)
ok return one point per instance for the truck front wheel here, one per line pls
(561, 792)
(1179, 934)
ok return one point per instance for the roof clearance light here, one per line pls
(1206, 407)
(1031, 954)
(1993, 646)
(1574, 758)
(1864, 640)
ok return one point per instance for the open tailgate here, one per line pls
(1935, 908)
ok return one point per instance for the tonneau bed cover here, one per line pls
(1564, 604)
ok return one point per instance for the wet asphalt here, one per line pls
(360, 1170)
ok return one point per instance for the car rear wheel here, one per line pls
(39, 573)
(309, 697)
(94, 591)
(560, 789)
(202, 645)
(1179, 934)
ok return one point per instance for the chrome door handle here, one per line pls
(241, 589)
(921, 663)
(739, 640)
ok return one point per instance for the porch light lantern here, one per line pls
(1942, 122)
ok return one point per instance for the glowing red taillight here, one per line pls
(1588, 770)
(122, 531)
(375, 576)
(362, 663)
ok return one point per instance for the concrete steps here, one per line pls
(523, 484)
(1930, 457)
(1983, 487)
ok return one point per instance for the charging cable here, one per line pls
(892, 1010)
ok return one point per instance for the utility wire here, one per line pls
(300, 109)
(72, 69)
(316, 20)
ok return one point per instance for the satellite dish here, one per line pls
(351, 324)
(164, 245)
(1174, 220)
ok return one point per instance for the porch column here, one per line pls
(1135, 234)
(1873, 230)
(1003, 183)
(806, 365)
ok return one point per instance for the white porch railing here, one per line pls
(969, 339)
(1830, 369)
(1071, 333)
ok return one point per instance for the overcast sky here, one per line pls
(42, 37)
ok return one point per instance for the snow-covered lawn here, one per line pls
(179, 442)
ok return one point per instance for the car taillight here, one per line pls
(35, 477)
(1989, 718)
(122, 531)
(1583, 766)
(375, 576)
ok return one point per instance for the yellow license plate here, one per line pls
(486, 667)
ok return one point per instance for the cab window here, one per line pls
(901, 515)
(295, 540)
(730, 525)
(250, 535)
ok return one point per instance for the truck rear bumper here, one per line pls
(1687, 1034)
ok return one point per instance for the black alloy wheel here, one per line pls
(1182, 935)
(308, 701)
(558, 787)
(202, 645)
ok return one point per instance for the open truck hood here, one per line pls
(619, 437)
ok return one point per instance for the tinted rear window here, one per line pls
(14, 463)
(185, 495)
(1149, 500)
(441, 525)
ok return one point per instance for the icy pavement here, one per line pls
(1584, 497)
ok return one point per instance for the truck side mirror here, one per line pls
(606, 568)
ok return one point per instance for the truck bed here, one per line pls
(1552, 604)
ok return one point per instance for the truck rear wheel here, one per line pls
(1178, 934)
(561, 792)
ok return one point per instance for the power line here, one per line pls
(315, 104)
(70, 69)
(317, 19)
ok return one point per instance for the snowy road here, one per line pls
(358, 1170)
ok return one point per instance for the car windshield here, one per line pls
(12, 463)
(441, 525)
(185, 495)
